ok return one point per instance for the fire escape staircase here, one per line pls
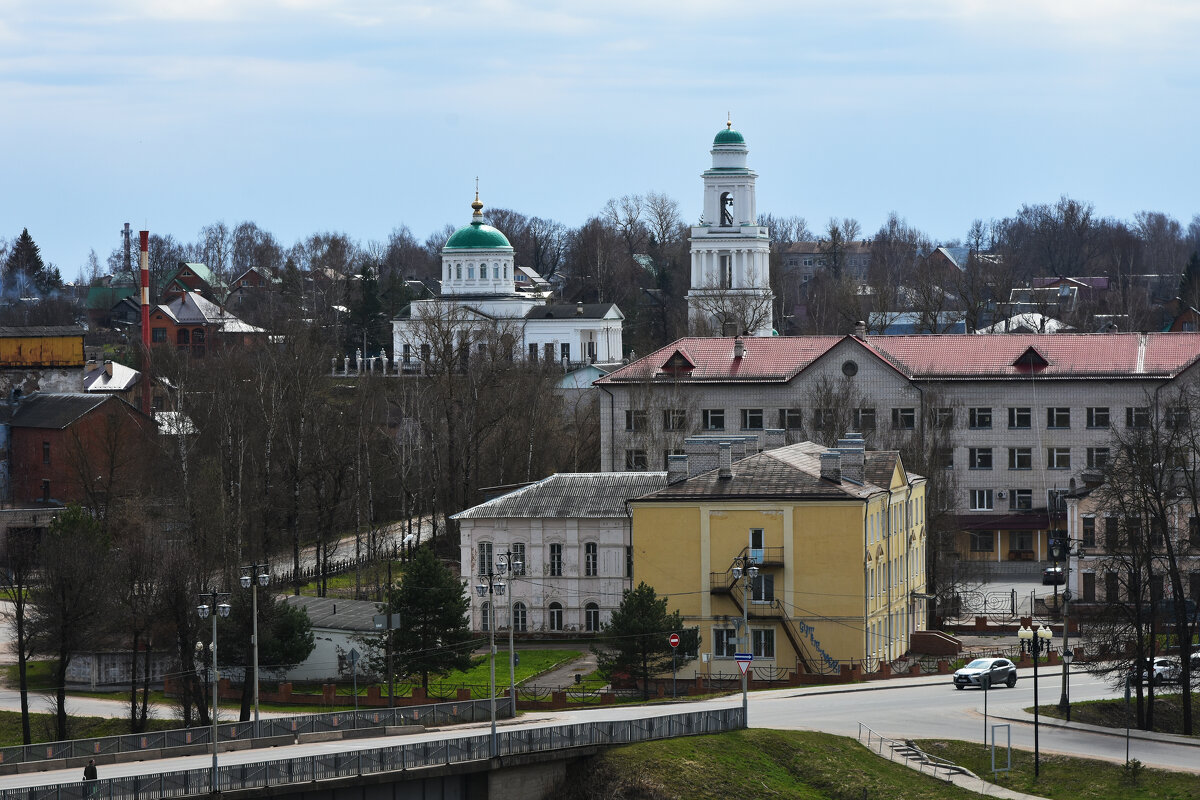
(724, 583)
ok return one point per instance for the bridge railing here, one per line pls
(188, 783)
(429, 715)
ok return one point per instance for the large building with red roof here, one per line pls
(1012, 422)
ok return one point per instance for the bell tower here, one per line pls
(730, 287)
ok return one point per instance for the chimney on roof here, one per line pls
(579, 309)
(108, 368)
(831, 466)
(739, 347)
(853, 451)
(725, 460)
(677, 468)
(860, 329)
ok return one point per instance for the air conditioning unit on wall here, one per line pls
(1001, 494)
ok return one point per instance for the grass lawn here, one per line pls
(751, 764)
(39, 676)
(1168, 712)
(41, 727)
(370, 576)
(1069, 778)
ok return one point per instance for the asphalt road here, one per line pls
(926, 707)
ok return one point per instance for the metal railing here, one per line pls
(233, 777)
(429, 715)
(910, 754)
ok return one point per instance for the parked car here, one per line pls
(1053, 576)
(1001, 670)
(1156, 671)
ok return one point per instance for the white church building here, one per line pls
(481, 306)
(730, 289)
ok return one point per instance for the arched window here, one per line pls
(520, 617)
(506, 272)
(458, 271)
(485, 619)
(182, 336)
(591, 617)
(198, 341)
(591, 560)
(556, 621)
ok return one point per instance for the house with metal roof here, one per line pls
(570, 534)
(1013, 419)
(488, 304)
(821, 550)
(195, 324)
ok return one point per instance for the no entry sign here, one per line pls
(674, 640)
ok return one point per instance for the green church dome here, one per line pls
(477, 235)
(729, 136)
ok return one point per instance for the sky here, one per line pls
(362, 116)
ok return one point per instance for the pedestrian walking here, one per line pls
(89, 775)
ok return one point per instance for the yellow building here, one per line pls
(837, 534)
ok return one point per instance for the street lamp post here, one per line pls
(493, 587)
(1060, 551)
(511, 567)
(213, 604)
(254, 576)
(1035, 642)
(745, 564)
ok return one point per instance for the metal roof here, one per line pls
(39, 331)
(57, 411)
(336, 614)
(571, 495)
(574, 311)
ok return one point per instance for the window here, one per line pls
(1058, 458)
(942, 417)
(556, 620)
(1194, 537)
(674, 419)
(756, 545)
(762, 588)
(1089, 587)
(485, 616)
(724, 642)
(904, 419)
(636, 461)
(591, 559)
(1112, 534)
(1058, 417)
(981, 499)
(45, 491)
(426, 352)
(518, 557)
(1020, 458)
(1089, 531)
(789, 418)
(470, 272)
(1097, 457)
(823, 418)
(980, 418)
(45, 452)
(1097, 417)
(752, 419)
(979, 458)
(764, 643)
(158, 334)
(591, 617)
(548, 352)
(1020, 418)
(556, 560)
(182, 336)
(1112, 586)
(635, 420)
(628, 562)
(520, 617)
(864, 419)
(485, 558)
(565, 351)
(1137, 417)
(1178, 417)
(943, 457)
(982, 541)
(533, 352)
(713, 419)
(1020, 499)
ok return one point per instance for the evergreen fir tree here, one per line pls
(636, 640)
(434, 634)
(24, 271)
(1189, 284)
